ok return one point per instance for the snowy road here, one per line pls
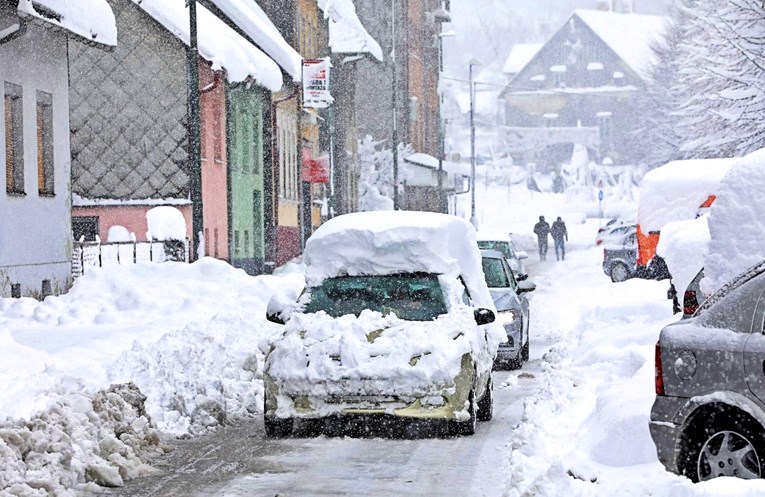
(238, 461)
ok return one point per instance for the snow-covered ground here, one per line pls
(191, 338)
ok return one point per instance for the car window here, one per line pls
(411, 296)
(502, 247)
(494, 272)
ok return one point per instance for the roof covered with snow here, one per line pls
(346, 33)
(520, 55)
(248, 15)
(218, 43)
(676, 190)
(90, 19)
(630, 36)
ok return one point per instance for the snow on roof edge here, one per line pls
(92, 20)
(346, 32)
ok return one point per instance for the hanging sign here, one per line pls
(315, 169)
(316, 83)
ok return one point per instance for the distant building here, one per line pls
(580, 87)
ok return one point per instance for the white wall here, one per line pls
(35, 232)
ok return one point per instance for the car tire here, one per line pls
(619, 272)
(712, 449)
(465, 428)
(525, 351)
(277, 427)
(486, 404)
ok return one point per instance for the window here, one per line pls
(246, 242)
(85, 228)
(45, 177)
(236, 241)
(217, 136)
(14, 140)
(215, 243)
(207, 241)
(604, 125)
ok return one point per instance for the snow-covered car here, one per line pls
(614, 233)
(708, 416)
(620, 256)
(512, 309)
(504, 244)
(396, 321)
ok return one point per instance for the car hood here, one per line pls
(318, 349)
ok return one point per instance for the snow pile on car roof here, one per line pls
(676, 190)
(367, 243)
(737, 222)
(683, 246)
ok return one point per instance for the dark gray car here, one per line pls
(708, 416)
(512, 308)
(620, 256)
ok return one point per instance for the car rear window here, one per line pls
(411, 296)
(505, 248)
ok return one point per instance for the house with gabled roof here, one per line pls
(580, 87)
(35, 198)
(130, 135)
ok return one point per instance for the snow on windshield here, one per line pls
(736, 222)
(676, 190)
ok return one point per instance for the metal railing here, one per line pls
(98, 254)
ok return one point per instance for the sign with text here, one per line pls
(316, 83)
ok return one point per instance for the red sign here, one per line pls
(315, 170)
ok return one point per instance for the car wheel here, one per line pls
(277, 427)
(486, 404)
(726, 447)
(619, 272)
(525, 351)
(464, 428)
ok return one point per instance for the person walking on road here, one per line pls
(559, 232)
(542, 229)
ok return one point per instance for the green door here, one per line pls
(246, 173)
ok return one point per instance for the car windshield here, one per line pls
(496, 276)
(411, 296)
(505, 248)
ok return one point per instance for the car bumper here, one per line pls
(666, 431)
(446, 402)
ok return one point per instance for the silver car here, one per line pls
(709, 413)
(506, 247)
(512, 308)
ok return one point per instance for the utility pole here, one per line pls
(195, 146)
(473, 219)
(394, 133)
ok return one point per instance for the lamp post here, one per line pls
(394, 83)
(441, 15)
(473, 219)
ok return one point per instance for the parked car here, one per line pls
(505, 245)
(512, 309)
(709, 413)
(620, 256)
(395, 322)
(693, 297)
(614, 233)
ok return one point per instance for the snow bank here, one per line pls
(165, 223)
(737, 222)
(683, 246)
(676, 190)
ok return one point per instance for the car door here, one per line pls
(754, 352)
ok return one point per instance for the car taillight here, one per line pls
(598, 241)
(690, 302)
(658, 373)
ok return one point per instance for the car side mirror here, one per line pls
(526, 286)
(484, 316)
(521, 254)
(280, 306)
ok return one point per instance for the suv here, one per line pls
(708, 417)
(620, 256)
(512, 309)
(395, 322)
(506, 247)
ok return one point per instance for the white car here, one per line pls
(504, 245)
(396, 321)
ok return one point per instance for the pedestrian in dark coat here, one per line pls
(559, 232)
(542, 229)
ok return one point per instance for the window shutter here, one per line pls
(9, 187)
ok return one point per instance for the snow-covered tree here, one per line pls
(376, 174)
(723, 78)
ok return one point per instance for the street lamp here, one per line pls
(394, 83)
(473, 220)
(441, 15)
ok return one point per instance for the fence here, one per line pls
(96, 254)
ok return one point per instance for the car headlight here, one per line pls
(506, 316)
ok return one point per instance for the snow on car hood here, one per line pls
(321, 355)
